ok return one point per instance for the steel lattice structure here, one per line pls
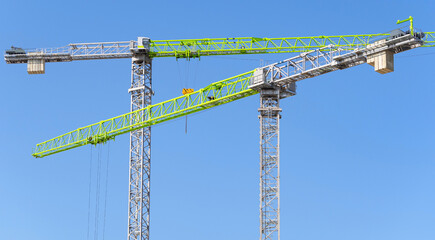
(282, 74)
(189, 48)
(269, 164)
(319, 55)
(140, 152)
(215, 94)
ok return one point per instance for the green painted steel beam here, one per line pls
(429, 39)
(191, 48)
(411, 22)
(215, 94)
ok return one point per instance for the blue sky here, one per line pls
(357, 155)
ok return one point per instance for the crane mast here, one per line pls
(140, 151)
(269, 164)
(319, 55)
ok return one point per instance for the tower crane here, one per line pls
(316, 56)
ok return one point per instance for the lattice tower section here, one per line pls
(269, 164)
(140, 152)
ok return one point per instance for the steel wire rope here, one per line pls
(187, 83)
(97, 194)
(89, 195)
(187, 73)
(179, 75)
(105, 191)
(184, 81)
(195, 71)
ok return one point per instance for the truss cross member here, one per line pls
(140, 152)
(269, 163)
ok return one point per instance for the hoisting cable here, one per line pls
(195, 73)
(187, 82)
(179, 74)
(97, 194)
(184, 80)
(89, 195)
(106, 187)
(185, 126)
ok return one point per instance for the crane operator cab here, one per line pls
(143, 44)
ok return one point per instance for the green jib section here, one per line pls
(191, 48)
(215, 94)
(429, 39)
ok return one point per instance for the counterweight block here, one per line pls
(383, 61)
(35, 65)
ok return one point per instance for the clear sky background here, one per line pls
(357, 147)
